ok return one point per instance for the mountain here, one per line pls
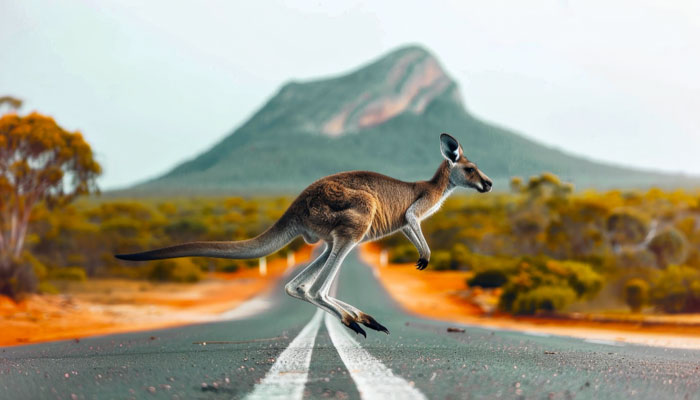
(386, 117)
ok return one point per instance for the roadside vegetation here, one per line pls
(49, 233)
(543, 247)
(540, 248)
(80, 241)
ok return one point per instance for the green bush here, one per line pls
(403, 254)
(542, 284)
(627, 226)
(68, 274)
(543, 298)
(491, 278)
(460, 256)
(636, 294)
(677, 289)
(669, 247)
(47, 288)
(229, 268)
(441, 260)
(186, 229)
(175, 270)
(581, 277)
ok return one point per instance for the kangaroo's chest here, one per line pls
(431, 207)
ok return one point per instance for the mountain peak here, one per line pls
(407, 79)
(397, 104)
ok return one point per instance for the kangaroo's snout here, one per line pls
(486, 185)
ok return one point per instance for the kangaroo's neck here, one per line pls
(439, 187)
(440, 183)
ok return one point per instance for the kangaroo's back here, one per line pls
(384, 198)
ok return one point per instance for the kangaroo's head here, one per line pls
(463, 172)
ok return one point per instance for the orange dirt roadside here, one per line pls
(440, 296)
(105, 306)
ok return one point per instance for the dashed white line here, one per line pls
(288, 375)
(373, 379)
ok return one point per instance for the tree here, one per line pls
(669, 247)
(39, 162)
(676, 289)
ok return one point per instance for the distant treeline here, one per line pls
(80, 240)
(541, 247)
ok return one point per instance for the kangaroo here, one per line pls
(344, 210)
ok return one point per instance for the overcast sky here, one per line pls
(153, 84)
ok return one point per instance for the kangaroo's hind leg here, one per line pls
(318, 293)
(300, 284)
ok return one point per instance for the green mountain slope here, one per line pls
(384, 117)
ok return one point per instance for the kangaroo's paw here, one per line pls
(352, 324)
(372, 323)
(421, 264)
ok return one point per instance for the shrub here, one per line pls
(636, 294)
(669, 247)
(543, 298)
(532, 287)
(229, 268)
(188, 229)
(677, 289)
(68, 274)
(441, 260)
(491, 278)
(175, 270)
(626, 226)
(47, 288)
(403, 254)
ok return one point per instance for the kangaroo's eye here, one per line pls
(469, 170)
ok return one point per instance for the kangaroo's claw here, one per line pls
(372, 323)
(355, 327)
(421, 264)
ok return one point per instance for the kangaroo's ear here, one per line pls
(450, 148)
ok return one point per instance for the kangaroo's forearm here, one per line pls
(423, 251)
(415, 235)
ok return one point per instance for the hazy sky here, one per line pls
(153, 84)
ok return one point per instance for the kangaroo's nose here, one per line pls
(487, 185)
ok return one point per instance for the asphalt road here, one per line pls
(304, 354)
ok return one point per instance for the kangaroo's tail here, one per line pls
(274, 238)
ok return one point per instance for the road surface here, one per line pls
(291, 351)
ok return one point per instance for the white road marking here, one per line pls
(373, 379)
(288, 375)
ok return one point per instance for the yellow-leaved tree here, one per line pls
(39, 162)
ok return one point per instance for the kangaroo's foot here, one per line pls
(329, 304)
(372, 323)
(351, 323)
(359, 316)
(421, 264)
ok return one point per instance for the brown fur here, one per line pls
(363, 205)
